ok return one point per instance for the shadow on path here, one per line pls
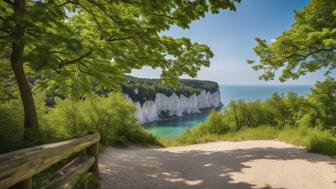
(256, 167)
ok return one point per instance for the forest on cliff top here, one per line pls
(141, 89)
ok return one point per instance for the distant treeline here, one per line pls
(140, 90)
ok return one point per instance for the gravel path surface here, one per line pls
(217, 165)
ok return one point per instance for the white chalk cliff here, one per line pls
(175, 105)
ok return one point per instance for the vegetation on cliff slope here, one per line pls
(308, 121)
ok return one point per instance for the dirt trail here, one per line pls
(217, 165)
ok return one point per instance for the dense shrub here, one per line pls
(218, 126)
(315, 111)
(323, 100)
(11, 125)
(112, 116)
(314, 139)
(307, 121)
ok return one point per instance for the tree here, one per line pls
(323, 98)
(309, 45)
(74, 45)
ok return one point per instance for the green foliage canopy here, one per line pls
(74, 45)
(309, 45)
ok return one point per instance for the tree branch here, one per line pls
(104, 11)
(59, 52)
(87, 68)
(166, 16)
(74, 61)
(9, 2)
(318, 51)
(119, 39)
(66, 2)
(310, 53)
(87, 10)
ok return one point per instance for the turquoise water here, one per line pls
(171, 128)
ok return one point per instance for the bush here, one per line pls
(306, 121)
(323, 144)
(291, 110)
(111, 116)
(313, 139)
(11, 126)
(323, 99)
(204, 132)
(215, 124)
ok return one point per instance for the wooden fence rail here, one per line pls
(17, 168)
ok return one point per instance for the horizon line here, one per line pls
(293, 84)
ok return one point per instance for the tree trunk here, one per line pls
(16, 59)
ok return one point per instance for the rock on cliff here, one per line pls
(174, 105)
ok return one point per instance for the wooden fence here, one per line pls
(17, 168)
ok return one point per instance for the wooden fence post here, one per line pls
(93, 151)
(25, 184)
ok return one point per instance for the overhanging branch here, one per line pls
(74, 61)
(119, 39)
(310, 53)
(9, 2)
(66, 2)
(101, 7)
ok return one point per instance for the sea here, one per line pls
(171, 128)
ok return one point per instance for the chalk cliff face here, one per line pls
(175, 105)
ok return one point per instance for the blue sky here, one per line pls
(231, 36)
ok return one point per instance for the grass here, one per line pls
(314, 140)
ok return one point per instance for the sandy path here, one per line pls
(218, 165)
